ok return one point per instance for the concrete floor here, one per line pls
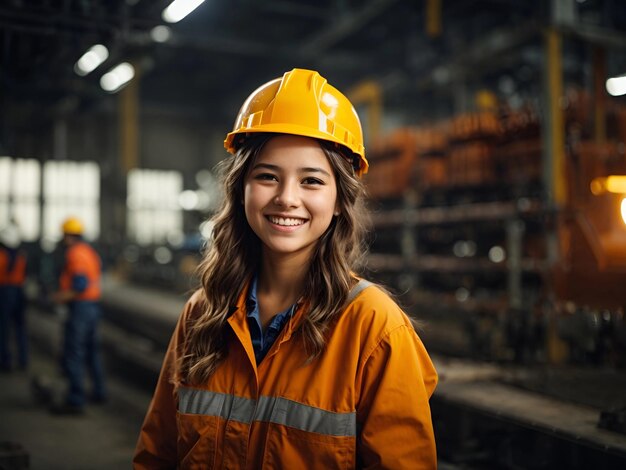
(103, 438)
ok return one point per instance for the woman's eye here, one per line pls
(265, 177)
(312, 181)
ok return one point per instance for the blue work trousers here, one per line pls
(80, 350)
(12, 317)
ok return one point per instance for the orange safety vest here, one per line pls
(17, 274)
(362, 402)
(82, 260)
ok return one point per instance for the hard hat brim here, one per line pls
(294, 129)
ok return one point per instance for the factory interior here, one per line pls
(495, 132)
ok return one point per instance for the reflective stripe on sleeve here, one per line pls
(269, 409)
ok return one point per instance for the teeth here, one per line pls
(285, 221)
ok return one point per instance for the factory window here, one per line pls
(19, 195)
(154, 214)
(71, 189)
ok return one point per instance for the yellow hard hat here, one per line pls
(72, 226)
(301, 103)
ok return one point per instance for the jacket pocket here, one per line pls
(288, 447)
(197, 441)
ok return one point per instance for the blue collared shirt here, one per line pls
(262, 340)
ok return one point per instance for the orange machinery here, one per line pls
(503, 149)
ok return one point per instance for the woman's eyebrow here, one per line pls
(313, 170)
(269, 166)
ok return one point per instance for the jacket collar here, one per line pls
(239, 323)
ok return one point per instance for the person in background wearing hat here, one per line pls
(12, 298)
(285, 357)
(79, 288)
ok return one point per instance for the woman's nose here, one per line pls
(287, 195)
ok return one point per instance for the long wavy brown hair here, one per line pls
(234, 251)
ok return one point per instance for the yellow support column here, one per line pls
(129, 125)
(554, 174)
(370, 94)
(556, 129)
(433, 18)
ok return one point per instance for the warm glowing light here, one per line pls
(117, 77)
(91, 59)
(623, 208)
(612, 184)
(178, 9)
(597, 186)
(616, 86)
(616, 184)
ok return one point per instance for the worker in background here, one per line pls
(285, 357)
(12, 298)
(79, 288)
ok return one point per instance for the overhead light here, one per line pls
(117, 77)
(178, 9)
(91, 59)
(623, 209)
(160, 33)
(616, 86)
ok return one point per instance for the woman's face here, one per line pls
(290, 196)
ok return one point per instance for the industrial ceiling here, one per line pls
(223, 49)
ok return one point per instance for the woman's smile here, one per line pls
(286, 223)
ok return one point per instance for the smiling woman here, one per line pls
(285, 358)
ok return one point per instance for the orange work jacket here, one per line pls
(363, 402)
(17, 274)
(82, 260)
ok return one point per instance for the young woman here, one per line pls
(285, 358)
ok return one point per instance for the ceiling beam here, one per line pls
(343, 28)
(294, 9)
(43, 23)
(207, 43)
(484, 51)
(606, 37)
